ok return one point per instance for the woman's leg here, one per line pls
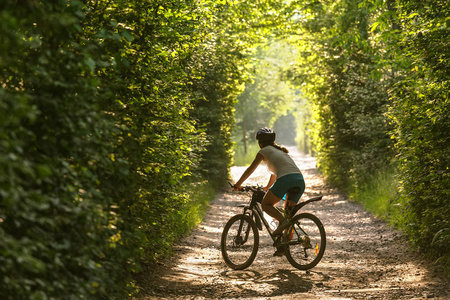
(288, 205)
(267, 204)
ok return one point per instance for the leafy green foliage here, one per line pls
(421, 114)
(147, 73)
(56, 209)
(377, 72)
(113, 116)
(340, 74)
(268, 95)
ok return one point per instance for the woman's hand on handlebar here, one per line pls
(235, 187)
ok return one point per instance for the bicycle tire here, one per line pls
(308, 243)
(237, 251)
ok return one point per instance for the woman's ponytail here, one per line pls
(275, 145)
(284, 149)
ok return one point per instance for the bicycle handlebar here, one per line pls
(252, 188)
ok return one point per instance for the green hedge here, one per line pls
(57, 207)
(113, 117)
(378, 77)
(421, 114)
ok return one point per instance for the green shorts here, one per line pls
(283, 184)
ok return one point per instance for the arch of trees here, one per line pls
(115, 115)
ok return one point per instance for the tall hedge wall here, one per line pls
(377, 73)
(59, 183)
(109, 111)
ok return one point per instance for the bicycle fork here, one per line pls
(238, 239)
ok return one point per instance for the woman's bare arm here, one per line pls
(249, 170)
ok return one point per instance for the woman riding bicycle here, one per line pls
(284, 175)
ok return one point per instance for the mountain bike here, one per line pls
(303, 241)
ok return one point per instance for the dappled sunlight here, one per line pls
(212, 229)
(363, 256)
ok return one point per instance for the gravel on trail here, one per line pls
(364, 257)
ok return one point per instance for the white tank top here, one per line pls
(278, 162)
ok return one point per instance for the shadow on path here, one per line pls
(364, 259)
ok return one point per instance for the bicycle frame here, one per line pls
(255, 212)
(240, 237)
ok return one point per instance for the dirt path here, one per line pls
(364, 258)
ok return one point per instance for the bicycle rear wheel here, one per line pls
(306, 245)
(240, 242)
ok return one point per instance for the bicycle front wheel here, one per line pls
(306, 241)
(240, 242)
